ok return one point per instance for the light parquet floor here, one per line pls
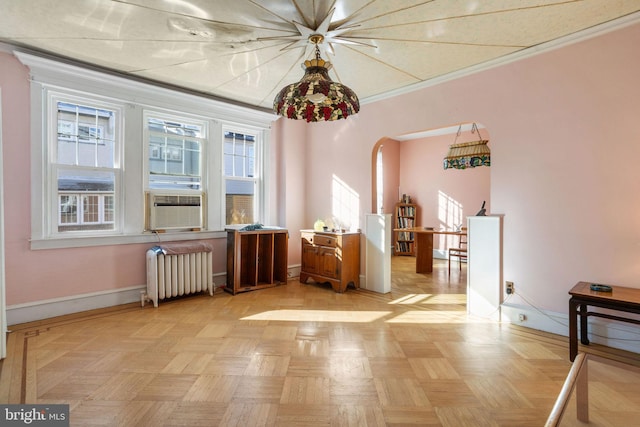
(294, 355)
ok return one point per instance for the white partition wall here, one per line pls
(378, 253)
(484, 267)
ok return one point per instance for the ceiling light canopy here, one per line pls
(316, 98)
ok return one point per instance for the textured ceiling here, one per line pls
(247, 50)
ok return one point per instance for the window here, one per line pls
(241, 180)
(85, 167)
(175, 152)
(79, 210)
(99, 142)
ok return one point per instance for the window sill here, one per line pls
(79, 242)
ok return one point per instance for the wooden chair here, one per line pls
(460, 252)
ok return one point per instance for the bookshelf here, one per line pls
(256, 259)
(405, 217)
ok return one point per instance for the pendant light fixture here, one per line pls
(468, 154)
(316, 98)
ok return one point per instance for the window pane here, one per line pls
(240, 197)
(239, 155)
(228, 146)
(228, 165)
(68, 209)
(238, 166)
(85, 191)
(108, 208)
(250, 159)
(90, 211)
(174, 154)
(175, 128)
(86, 135)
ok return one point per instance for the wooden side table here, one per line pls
(331, 257)
(619, 299)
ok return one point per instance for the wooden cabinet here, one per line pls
(256, 259)
(331, 258)
(405, 217)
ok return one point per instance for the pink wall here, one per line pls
(445, 197)
(564, 141)
(336, 149)
(46, 274)
(563, 138)
(292, 189)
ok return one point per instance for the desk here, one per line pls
(620, 299)
(424, 246)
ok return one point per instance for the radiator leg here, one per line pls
(210, 283)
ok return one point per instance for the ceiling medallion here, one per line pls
(316, 98)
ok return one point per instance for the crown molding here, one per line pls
(558, 43)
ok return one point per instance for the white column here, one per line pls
(484, 266)
(378, 253)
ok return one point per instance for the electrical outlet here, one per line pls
(509, 289)
(522, 317)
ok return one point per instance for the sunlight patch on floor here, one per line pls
(319, 316)
(440, 316)
(431, 299)
(411, 316)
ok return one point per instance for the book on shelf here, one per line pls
(405, 236)
(406, 211)
(405, 222)
(402, 246)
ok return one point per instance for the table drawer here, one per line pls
(319, 239)
(324, 240)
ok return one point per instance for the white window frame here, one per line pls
(260, 214)
(257, 178)
(179, 118)
(52, 166)
(133, 97)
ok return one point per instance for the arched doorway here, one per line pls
(412, 164)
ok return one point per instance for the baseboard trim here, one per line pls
(618, 335)
(440, 254)
(294, 271)
(46, 309)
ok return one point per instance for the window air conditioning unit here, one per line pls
(167, 211)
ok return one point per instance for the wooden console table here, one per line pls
(424, 246)
(619, 299)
